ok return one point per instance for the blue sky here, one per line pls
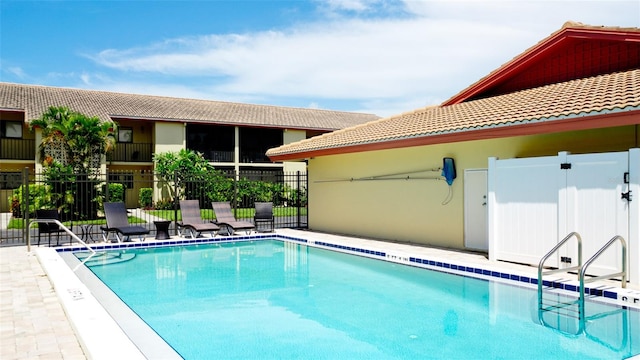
(376, 56)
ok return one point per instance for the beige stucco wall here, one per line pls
(169, 137)
(143, 131)
(412, 210)
(141, 179)
(290, 136)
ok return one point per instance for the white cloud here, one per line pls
(354, 59)
(441, 48)
(17, 71)
(351, 5)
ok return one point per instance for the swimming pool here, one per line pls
(282, 299)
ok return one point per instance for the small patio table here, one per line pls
(86, 230)
(162, 229)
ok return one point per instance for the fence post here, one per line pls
(175, 185)
(175, 201)
(106, 187)
(236, 178)
(298, 219)
(25, 200)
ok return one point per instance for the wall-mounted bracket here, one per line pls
(626, 195)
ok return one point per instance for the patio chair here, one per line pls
(225, 218)
(48, 228)
(192, 222)
(118, 223)
(264, 214)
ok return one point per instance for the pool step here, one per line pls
(561, 313)
(106, 258)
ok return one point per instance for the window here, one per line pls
(254, 143)
(10, 180)
(125, 135)
(125, 179)
(216, 143)
(11, 129)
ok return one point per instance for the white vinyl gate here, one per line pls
(535, 202)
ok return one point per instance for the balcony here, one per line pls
(218, 155)
(17, 149)
(132, 152)
(248, 157)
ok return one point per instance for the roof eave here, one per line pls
(534, 52)
(573, 123)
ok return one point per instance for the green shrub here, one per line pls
(164, 204)
(116, 192)
(40, 197)
(297, 197)
(146, 198)
(15, 206)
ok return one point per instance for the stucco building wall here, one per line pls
(413, 210)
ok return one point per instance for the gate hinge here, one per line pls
(565, 166)
(626, 178)
(627, 195)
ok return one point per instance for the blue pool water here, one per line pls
(281, 300)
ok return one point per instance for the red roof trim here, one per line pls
(544, 127)
(506, 70)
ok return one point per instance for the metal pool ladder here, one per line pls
(563, 306)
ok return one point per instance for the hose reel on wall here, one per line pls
(448, 174)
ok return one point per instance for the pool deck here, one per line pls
(35, 325)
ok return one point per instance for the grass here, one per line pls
(246, 213)
(19, 223)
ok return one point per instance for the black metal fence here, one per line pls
(79, 199)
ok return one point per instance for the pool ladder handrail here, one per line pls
(554, 271)
(541, 308)
(622, 274)
(67, 230)
(581, 271)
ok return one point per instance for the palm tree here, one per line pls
(71, 151)
(74, 139)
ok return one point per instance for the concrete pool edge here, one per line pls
(471, 265)
(97, 331)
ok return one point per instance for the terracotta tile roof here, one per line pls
(34, 100)
(551, 103)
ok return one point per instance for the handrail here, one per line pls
(544, 259)
(66, 229)
(622, 273)
(551, 252)
(582, 270)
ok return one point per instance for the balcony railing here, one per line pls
(248, 157)
(218, 156)
(17, 149)
(132, 152)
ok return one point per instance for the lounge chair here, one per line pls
(118, 223)
(225, 218)
(264, 214)
(192, 223)
(49, 228)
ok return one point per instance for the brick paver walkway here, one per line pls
(33, 324)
